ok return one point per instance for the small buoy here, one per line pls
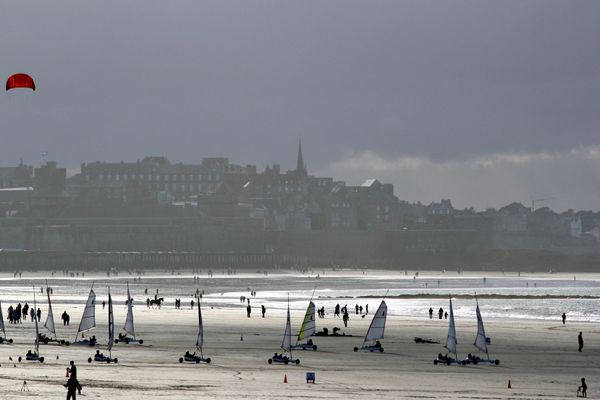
(509, 385)
(285, 378)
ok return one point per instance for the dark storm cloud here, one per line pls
(445, 80)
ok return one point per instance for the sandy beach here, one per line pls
(540, 358)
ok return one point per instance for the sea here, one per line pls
(408, 295)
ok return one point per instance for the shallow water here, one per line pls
(543, 297)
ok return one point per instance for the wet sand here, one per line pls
(540, 358)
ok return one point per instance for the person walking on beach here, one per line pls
(39, 314)
(336, 312)
(248, 310)
(345, 318)
(263, 309)
(564, 318)
(440, 313)
(72, 384)
(430, 313)
(580, 340)
(583, 388)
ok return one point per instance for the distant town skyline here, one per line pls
(481, 102)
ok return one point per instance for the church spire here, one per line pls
(300, 167)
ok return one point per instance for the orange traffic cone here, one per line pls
(285, 378)
(509, 385)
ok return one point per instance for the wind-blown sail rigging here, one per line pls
(286, 344)
(480, 339)
(111, 323)
(88, 319)
(377, 327)
(308, 324)
(129, 320)
(2, 321)
(200, 338)
(49, 324)
(37, 331)
(451, 339)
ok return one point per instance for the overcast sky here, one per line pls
(483, 102)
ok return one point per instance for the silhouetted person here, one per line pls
(580, 340)
(248, 310)
(583, 387)
(430, 313)
(440, 313)
(264, 310)
(564, 318)
(446, 315)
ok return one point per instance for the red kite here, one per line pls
(20, 81)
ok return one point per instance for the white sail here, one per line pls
(480, 339)
(200, 339)
(308, 325)
(111, 322)
(49, 324)
(88, 319)
(377, 326)
(286, 344)
(129, 320)
(451, 339)
(2, 321)
(37, 331)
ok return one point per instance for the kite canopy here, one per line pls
(20, 81)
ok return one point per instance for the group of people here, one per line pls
(441, 313)
(15, 314)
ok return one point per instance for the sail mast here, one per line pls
(377, 327)
(111, 323)
(129, 327)
(308, 324)
(49, 324)
(451, 339)
(37, 331)
(2, 321)
(88, 319)
(286, 344)
(200, 338)
(480, 339)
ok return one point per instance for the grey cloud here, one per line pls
(445, 80)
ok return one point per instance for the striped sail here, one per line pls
(377, 326)
(308, 327)
(129, 320)
(451, 339)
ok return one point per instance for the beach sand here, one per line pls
(540, 358)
